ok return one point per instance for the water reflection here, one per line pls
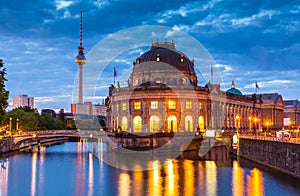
(211, 178)
(4, 176)
(237, 179)
(189, 178)
(33, 174)
(124, 184)
(86, 176)
(91, 175)
(255, 183)
(138, 180)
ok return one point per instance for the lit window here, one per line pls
(200, 106)
(188, 105)
(157, 57)
(137, 61)
(123, 106)
(124, 123)
(137, 124)
(154, 123)
(172, 105)
(154, 105)
(117, 107)
(137, 105)
(188, 123)
(181, 58)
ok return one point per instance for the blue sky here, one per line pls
(249, 41)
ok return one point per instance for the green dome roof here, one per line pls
(233, 90)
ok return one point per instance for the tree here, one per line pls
(61, 116)
(3, 92)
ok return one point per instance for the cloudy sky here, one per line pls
(249, 40)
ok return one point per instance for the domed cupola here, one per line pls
(233, 90)
(163, 64)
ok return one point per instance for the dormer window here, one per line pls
(138, 61)
(182, 59)
(157, 57)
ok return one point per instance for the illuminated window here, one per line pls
(172, 105)
(123, 106)
(154, 105)
(181, 58)
(201, 122)
(188, 123)
(157, 57)
(188, 105)
(124, 123)
(137, 124)
(154, 123)
(137, 61)
(137, 105)
(117, 107)
(172, 123)
(200, 106)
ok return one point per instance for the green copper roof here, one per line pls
(234, 91)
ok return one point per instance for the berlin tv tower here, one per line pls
(80, 60)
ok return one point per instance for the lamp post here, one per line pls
(267, 131)
(10, 123)
(250, 123)
(17, 125)
(237, 120)
(255, 127)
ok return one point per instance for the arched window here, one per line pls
(172, 123)
(201, 122)
(124, 123)
(154, 123)
(137, 124)
(188, 123)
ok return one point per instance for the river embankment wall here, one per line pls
(282, 156)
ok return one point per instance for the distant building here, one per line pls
(292, 113)
(23, 101)
(82, 108)
(48, 111)
(271, 110)
(100, 110)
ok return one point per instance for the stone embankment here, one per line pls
(282, 156)
(6, 145)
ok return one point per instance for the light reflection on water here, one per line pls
(70, 169)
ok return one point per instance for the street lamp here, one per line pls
(250, 123)
(268, 124)
(237, 120)
(10, 123)
(255, 127)
(17, 125)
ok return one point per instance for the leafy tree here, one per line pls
(61, 116)
(3, 92)
(28, 120)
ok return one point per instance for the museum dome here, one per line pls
(233, 90)
(164, 61)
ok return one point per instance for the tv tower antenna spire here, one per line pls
(80, 60)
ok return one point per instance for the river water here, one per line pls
(71, 169)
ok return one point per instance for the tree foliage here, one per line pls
(3, 92)
(29, 120)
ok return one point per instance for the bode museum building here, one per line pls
(163, 95)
